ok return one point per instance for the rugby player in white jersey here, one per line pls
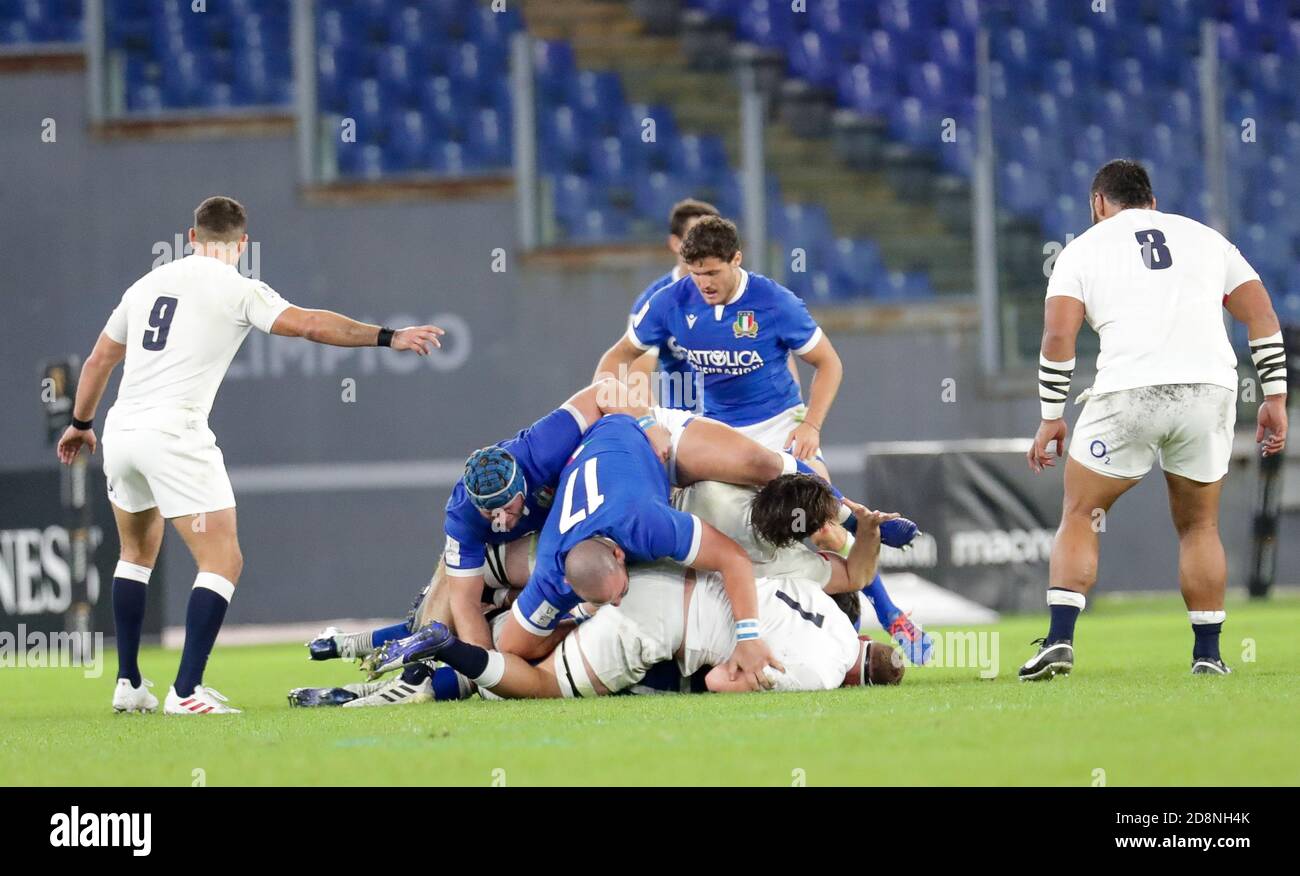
(177, 330)
(666, 612)
(1154, 286)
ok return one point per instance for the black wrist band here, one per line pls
(83, 425)
(385, 337)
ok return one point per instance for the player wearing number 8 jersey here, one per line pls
(1154, 286)
(177, 330)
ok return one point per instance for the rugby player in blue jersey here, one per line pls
(738, 331)
(505, 495)
(612, 508)
(676, 385)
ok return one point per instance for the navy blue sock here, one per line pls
(129, 597)
(878, 596)
(468, 660)
(203, 617)
(1063, 618)
(446, 686)
(384, 634)
(416, 673)
(1207, 641)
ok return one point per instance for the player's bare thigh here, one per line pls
(713, 451)
(1087, 491)
(436, 605)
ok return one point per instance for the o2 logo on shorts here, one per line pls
(1098, 449)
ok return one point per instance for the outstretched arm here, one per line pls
(95, 372)
(337, 330)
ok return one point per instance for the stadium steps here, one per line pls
(654, 70)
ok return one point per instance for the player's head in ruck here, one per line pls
(683, 217)
(711, 252)
(496, 486)
(1120, 184)
(220, 229)
(791, 508)
(595, 569)
(878, 663)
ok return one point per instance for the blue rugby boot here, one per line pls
(423, 644)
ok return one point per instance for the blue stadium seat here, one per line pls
(698, 157)
(449, 158)
(902, 287)
(598, 99)
(361, 161)
(867, 89)
(816, 58)
(553, 65)
(562, 141)
(611, 162)
(855, 264)
(490, 137)
(767, 22)
(408, 141)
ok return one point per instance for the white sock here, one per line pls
(788, 463)
(360, 642)
(495, 671)
(1057, 596)
(1207, 617)
(214, 582)
(132, 572)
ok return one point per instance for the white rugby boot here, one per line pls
(134, 699)
(394, 692)
(204, 701)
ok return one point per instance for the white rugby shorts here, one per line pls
(1186, 426)
(179, 473)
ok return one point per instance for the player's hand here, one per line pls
(420, 338)
(804, 441)
(831, 537)
(73, 440)
(661, 440)
(868, 519)
(749, 660)
(1271, 433)
(1048, 431)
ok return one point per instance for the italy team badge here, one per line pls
(745, 326)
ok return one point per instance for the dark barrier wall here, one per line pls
(988, 524)
(81, 218)
(36, 557)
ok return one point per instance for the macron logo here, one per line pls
(690, 320)
(112, 829)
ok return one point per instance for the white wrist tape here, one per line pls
(1054, 386)
(1269, 357)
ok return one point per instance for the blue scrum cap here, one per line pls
(493, 477)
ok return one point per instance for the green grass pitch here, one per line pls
(1131, 710)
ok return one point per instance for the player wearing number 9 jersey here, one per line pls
(177, 330)
(612, 509)
(1154, 285)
